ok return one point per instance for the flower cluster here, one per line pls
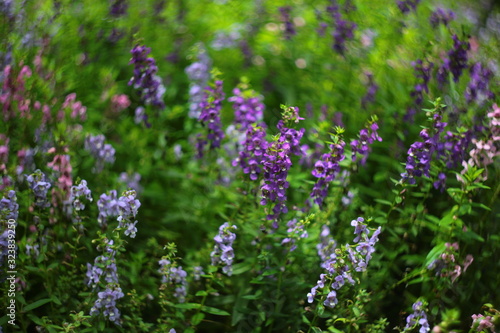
(128, 206)
(366, 137)
(295, 231)
(248, 108)
(479, 84)
(78, 192)
(199, 74)
(13, 90)
(446, 265)
(343, 30)
(326, 170)
(119, 103)
(418, 163)
(485, 150)
(226, 40)
(62, 166)
(76, 107)
(441, 16)
(103, 153)
(145, 80)
(340, 263)
(39, 184)
(482, 323)
(118, 8)
(372, 89)
(326, 247)
(106, 303)
(405, 6)
(131, 180)
(210, 115)
(108, 207)
(417, 318)
(456, 61)
(423, 73)
(223, 253)
(9, 208)
(176, 276)
(250, 158)
(287, 20)
(105, 266)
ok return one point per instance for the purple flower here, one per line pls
(39, 184)
(441, 16)
(118, 8)
(131, 180)
(175, 276)
(456, 61)
(103, 153)
(405, 6)
(128, 206)
(223, 253)
(366, 137)
(248, 108)
(479, 84)
(210, 114)
(78, 192)
(287, 19)
(198, 74)
(295, 231)
(417, 318)
(422, 72)
(371, 91)
(9, 208)
(145, 80)
(108, 207)
(106, 304)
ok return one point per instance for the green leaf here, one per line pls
(36, 304)
(197, 318)
(383, 202)
(215, 311)
(434, 253)
(188, 306)
(201, 293)
(35, 319)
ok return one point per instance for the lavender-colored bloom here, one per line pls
(223, 253)
(197, 272)
(140, 116)
(175, 276)
(418, 163)
(118, 8)
(210, 114)
(251, 157)
(344, 30)
(103, 153)
(326, 170)
(9, 208)
(456, 61)
(479, 84)
(78, 192)
(340, 263)
(367, 136)
(226, 40)
(39, 184)
(295, 231)
(108, 207)
(248, 108)
(440, 183)
(199, 74)
(131, 180)
(441, 16)
(128, 206)
(423, 73)
(106, 304)
(287, 20)
(417, 318)
(405, 6)
(371, 91)
(145, 80)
